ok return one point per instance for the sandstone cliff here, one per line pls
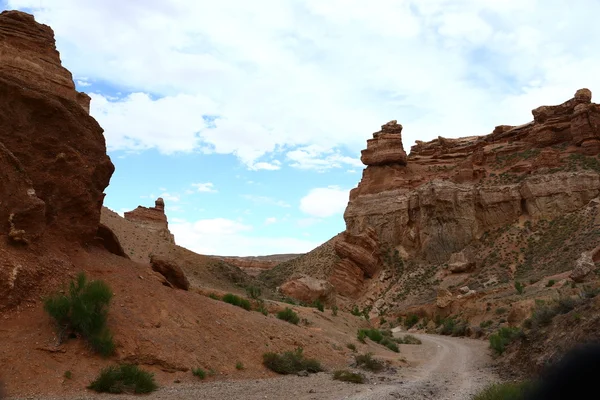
(152, 219)
(53, 162)
(412, 220)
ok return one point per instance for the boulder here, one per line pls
(171, 271)
(444, 298)
(460, 262)
(307, 289)
(583, 266)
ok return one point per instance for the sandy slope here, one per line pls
(442, 368)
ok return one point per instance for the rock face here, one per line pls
(449, 192)
(309, 289)
(152, 219)
(583, 266)
(52, 153)
(171, 271)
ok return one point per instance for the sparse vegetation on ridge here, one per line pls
(289, 315)
(237, 301)
(504, 391)
(347, 376)
(366, 361)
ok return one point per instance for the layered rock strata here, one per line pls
(152, 219)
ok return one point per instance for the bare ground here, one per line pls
(442, 368)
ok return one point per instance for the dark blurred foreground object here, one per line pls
(574, 377)
(1, 390)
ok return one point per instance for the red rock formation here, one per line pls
(171, 271)
(448, 192)
(153, 219)
(28, 53)
(307, 289)
(62, 166)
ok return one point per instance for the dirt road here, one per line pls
(442, 368)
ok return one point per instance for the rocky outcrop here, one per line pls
(171, 271)
(449, 192)
(359, 254)
(53, 152)
(583, 266)
(386, 146)
(28, 53)
(153, 219)
(107, 239)
(307, 289)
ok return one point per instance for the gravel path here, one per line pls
(445, 368)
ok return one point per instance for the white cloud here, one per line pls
(207, 187)
(221, 236)
(270, 220)
(283, 76)
(82, 83)
(274, 166)
(325, 202)
(265, 200)
(170, 197)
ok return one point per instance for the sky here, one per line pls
(248, 117)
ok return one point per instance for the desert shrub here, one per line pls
(254, 292)
(410, 339)
(214, 296)
(502, 338)
(486, 324)
(68, 375)
(199, 372)
(237, 301)
(262, 309)
(348, 376)
(355, 311)
(550, 283)
(373, 334)
(565, 305)
(460, 329)
(448, 325)
(290, 362)
(239, 366)
(318, 305)
(351, 346)
(411, 321)
(387, 342)
(289, 315)
(589, 293)
(334, 311)
(361, 335)
(519, 287)
(501, 310)
(366, 361)
(542, 316)
(504, 391)
(124, 378)
(84, 310)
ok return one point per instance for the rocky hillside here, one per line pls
(53, 171)
(520, 203)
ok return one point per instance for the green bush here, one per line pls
(361, 335)
(504, 391)
(448, 325)
(502, 338)
(124, 378)
(351, 346)
(410, 339)
(291, 362)
(237, 301)
(347, 376)
(373, 334)
(460, 329)
(239, 365)
(318, 305)
(519, 287)
(366, 361)
(214, 296)
(387, 342)
(355, 311)
(550, 283)
(334, 311)
(486, 324)
(289, 315)
(83, 310)
(411, 321)
(199, 372)
(68, 375)
(254, 292)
